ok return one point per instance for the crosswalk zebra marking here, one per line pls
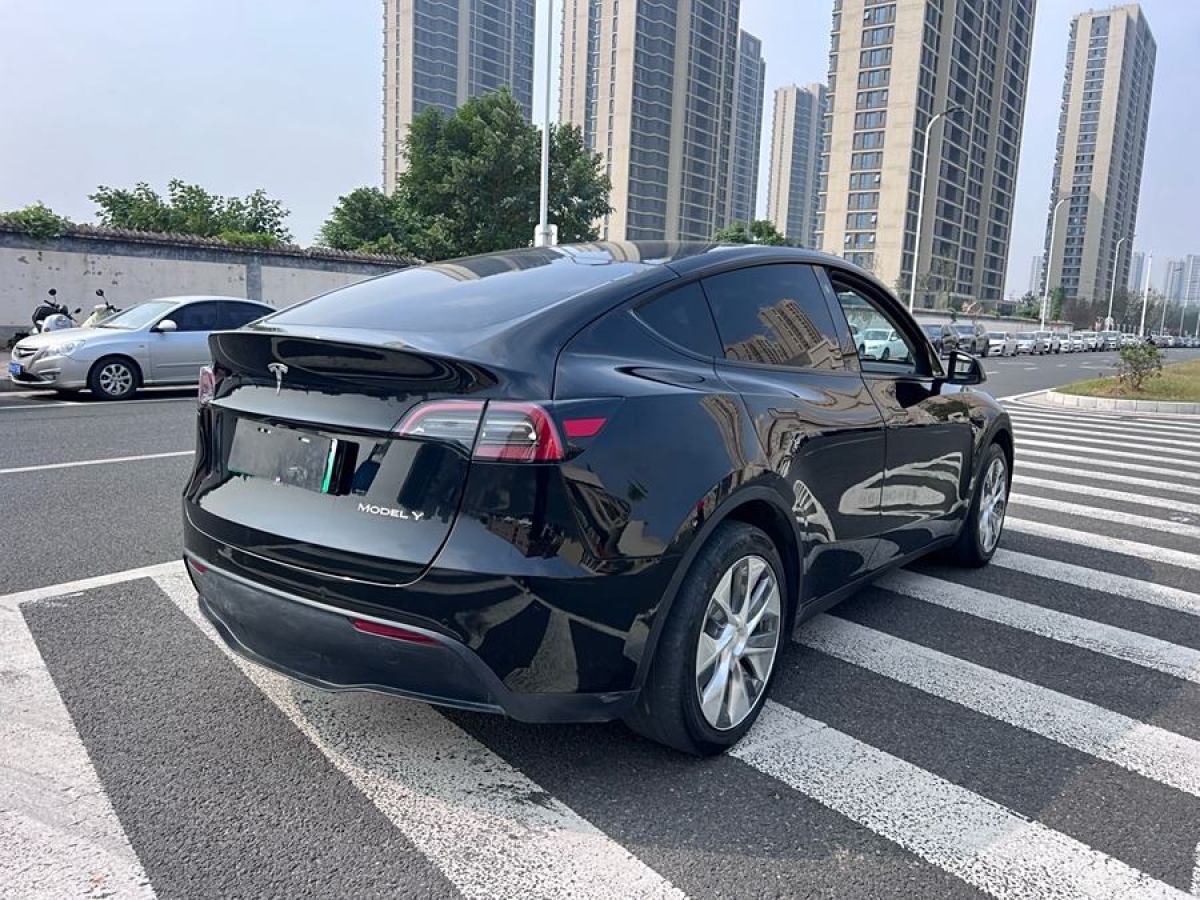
(491, 830)
(1122, 546)
(1166, 477)
(1115, 516)
(1098, 580)
(1106, 454)
(976, 839)
(1025, 463)
(1156, 753)
(1098, 493)
(1101, 443)
(59, 834)
(1175, 425)
(1118, 643)
(1124, 437)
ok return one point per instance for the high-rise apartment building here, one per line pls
(1137, 271)
(1101, 144)
(651, 83)
(1191, 278)
(747, 128)
(1173, 280)
(795, 156)
(443, 52)
(1035, 273)
(893, 66)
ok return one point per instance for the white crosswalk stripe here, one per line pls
(474, 821)
(1104, 542)
(1166, 476)
(1177, 425)
(1154, 752)
(1129, 646)
(976, 839)
(1101, 443)
(1116, 516)
(1074, 473)
(1097, 580)
(1125, 437)
(1114, 454)
(1098, 493)
(1107, 426)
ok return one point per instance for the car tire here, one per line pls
(887, 354)
(114, 378)
(669, 708)
(980, 533)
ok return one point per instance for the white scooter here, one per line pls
(100, 312)
(52, 315)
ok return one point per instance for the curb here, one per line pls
(1116, 404)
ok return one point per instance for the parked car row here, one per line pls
(972, 338)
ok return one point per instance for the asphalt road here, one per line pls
(1031, 729)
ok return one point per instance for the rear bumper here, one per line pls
(318, 644)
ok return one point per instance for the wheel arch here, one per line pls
(756, 505)
(125, 358)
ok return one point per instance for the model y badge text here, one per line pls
(390, 512)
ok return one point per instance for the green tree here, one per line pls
(365, 219)
(472, 183)
(38, 221)
(190, 209)
(1138, 363)
(760, 231)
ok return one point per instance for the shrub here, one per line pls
(39, 221)
(1138, 363)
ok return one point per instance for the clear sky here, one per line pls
(286, 95)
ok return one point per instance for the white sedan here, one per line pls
(1002, 343)
(881, 343)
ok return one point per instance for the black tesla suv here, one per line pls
(579, 483)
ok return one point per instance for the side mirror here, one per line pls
(166, 325)
(100, 292)
(962, 368)
(52, 292)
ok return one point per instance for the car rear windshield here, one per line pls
(998, 335)
(1027, 336)
(459, 296)
(964, 329)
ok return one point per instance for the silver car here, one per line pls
(161, 341)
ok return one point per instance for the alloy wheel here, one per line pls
(739, 641)
(115, 379)
(993, 500)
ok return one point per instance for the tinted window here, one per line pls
(682, 316)
(197, 317)
(775, 315)
(235, 315)
(882, 347)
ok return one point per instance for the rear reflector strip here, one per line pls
(394, 632)
(583, 428)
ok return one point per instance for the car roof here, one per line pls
(181, 299)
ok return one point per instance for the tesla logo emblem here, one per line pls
(278, 370)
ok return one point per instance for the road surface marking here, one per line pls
(1090, 490)
(1149, 552)
(1100, 443)
(971, 837)
(1097, 580)
(1117, 517)
(1156, 753)
(59, 834)
(1118, 643)
(13, 407)
(96, 462)
(1098, 461)
(1102, 455)
(1126, 435)
(1176, 424)
(1128, 480)
(12, 601)
(491, 830)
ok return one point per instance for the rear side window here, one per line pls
(774, 315)
(197, 317)
(682, 317)
(235, 315)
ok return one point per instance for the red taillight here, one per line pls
(395, 632)
(509, 431)
(208, 385)
(518, 432)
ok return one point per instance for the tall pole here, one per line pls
(1050, 260)
(544, 236)
(1146, 295)
(1162, 325)
(912, 292)
(1112, 291)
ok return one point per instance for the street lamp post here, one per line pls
(1112, 291)
(912, 293)
(545, 234)
(1146, 295)
(1050, 259)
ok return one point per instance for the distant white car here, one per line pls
(1002, 343)
(1075, 343)
(881, 343)
(1064, 341)
(1028, 342)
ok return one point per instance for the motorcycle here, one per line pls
(51, 315)
(100, 312)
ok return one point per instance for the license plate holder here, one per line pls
(283, 455)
